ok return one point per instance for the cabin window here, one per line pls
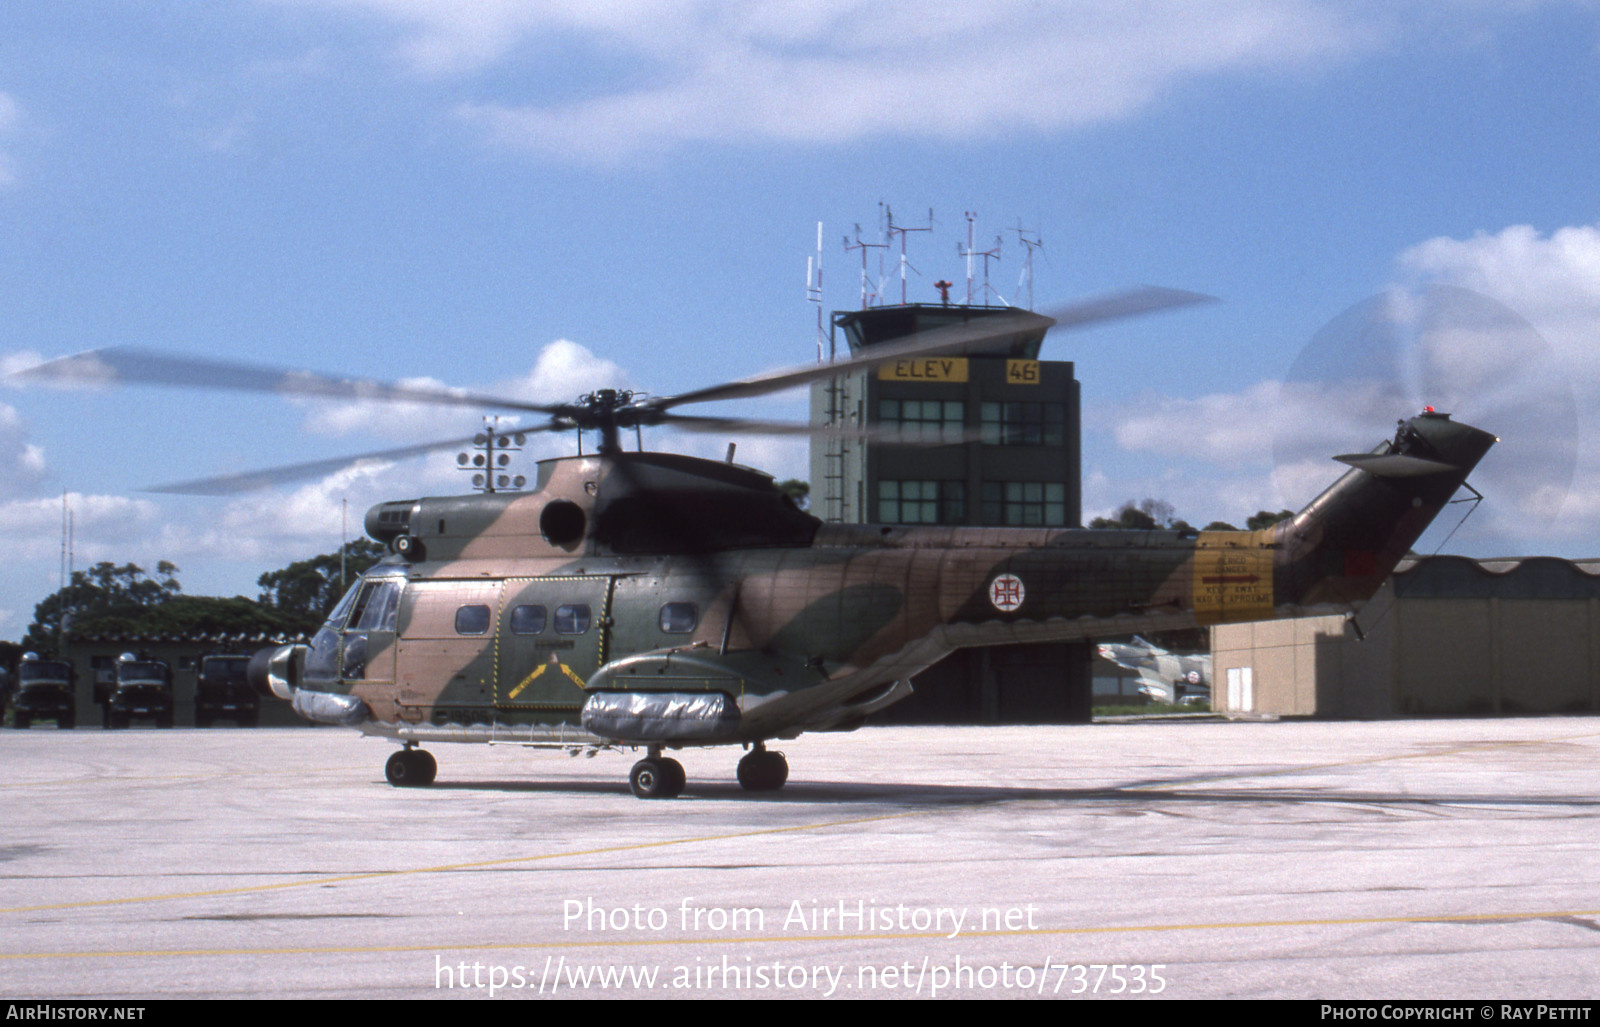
(472, 620)
(572, 619)
(528, 620)
(679, 618)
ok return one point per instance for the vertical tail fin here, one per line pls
(1340, 548)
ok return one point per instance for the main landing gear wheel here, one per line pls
(411, 768)
(763, 771)
(657, 777)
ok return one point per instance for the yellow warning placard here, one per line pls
(1231, 583)
(924, 369)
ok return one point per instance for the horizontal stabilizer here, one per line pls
(1393, 465)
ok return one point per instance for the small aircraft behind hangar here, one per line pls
(658, 601)
(1164, 676)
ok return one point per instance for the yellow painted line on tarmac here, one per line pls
(454, 867)
(793, 939)
(795, 828)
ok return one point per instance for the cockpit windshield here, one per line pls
(370, 605)
(339, 649)
(342, 610)
(376, 607)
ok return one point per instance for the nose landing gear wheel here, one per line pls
(763, 771)
(657, 777)
(411, 768)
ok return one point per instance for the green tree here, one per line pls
(102, 595)
(1146, 516)
(797, 490)
(1266, 519)
(305, 592)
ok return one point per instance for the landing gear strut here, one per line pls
(657, 776)
(763, 771)
(411, 768)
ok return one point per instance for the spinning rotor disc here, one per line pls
(1457, 352)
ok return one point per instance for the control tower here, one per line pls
(1001, 447)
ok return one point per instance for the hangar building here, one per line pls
(1445, 635)
(95, 656)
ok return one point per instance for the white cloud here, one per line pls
(22, 463)
(563, 371)
(1497, 330)
(834, 71)
(34, 525)
(11, 363)
(1220, 428)
(1553, 281)
(401, 422)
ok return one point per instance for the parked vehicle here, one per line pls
(44, 692)
(143, 689)
(222, 690)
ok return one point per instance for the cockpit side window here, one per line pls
(378, 607)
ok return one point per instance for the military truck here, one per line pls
(44, 692)
(143, 688)
(222, 690)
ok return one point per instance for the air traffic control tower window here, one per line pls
(921, 502)
(1024, 424)
(926, 420)
(1025, 504)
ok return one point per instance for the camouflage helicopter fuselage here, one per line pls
(654, 599)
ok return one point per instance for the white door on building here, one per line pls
(1241, 689)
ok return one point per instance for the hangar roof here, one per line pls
(1530, 577)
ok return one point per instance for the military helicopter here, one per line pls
(652, 600)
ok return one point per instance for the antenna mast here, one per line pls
(972, 251)
(814, 288)
(901, 231)
(1032, 241)
(867, 293)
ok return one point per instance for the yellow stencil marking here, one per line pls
(1231, 582)
(525, 682)
(540, 669)
(569, 673)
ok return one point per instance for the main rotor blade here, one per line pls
(124, 364)
(978, 334)
(251, 481)
(1147, 299)
(877, 433)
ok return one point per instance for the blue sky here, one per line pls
(538, 199)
